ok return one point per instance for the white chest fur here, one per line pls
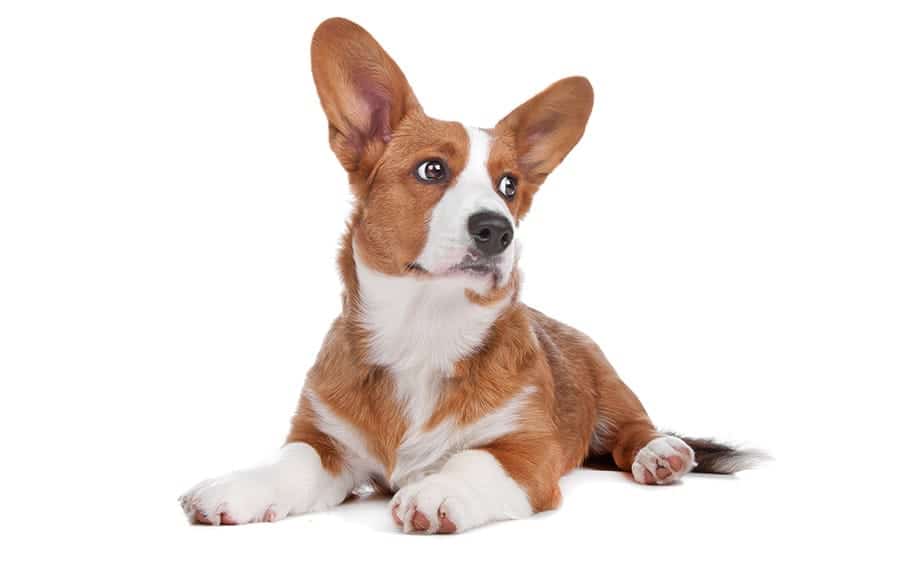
(422, 325)
(418, 329)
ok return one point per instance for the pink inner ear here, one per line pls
(378, 103)
(542, 128)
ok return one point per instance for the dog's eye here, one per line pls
(507, 187)
(431, 171)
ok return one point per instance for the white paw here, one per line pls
(472, 489)
(663, 460)
(435, 504)
(245, 496)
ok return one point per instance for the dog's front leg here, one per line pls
(472, 489)
(295, 481)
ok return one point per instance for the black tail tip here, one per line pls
(713, 457)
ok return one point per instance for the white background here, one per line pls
(727, 230)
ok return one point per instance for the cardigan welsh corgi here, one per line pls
(436, 383)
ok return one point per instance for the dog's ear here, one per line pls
(545, 128)
(362, 90)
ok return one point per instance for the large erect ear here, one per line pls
(362, 90)
(545, 128)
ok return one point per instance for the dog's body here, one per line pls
(436, 382)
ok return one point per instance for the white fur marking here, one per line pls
(421, 325)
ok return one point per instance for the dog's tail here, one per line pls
(713, 457)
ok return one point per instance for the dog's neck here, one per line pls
(416, 324)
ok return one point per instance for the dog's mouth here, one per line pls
(472, 263)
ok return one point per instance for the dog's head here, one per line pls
(436, 198)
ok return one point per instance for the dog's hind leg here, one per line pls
(624, 430)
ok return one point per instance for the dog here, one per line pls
(435, 383)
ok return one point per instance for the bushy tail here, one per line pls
(718, 458)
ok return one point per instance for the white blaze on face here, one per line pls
(474, 191)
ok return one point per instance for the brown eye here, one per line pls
(431, 171)
(507, 186)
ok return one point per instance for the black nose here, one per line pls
(491, 232)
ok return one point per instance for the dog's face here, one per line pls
(436, 198)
